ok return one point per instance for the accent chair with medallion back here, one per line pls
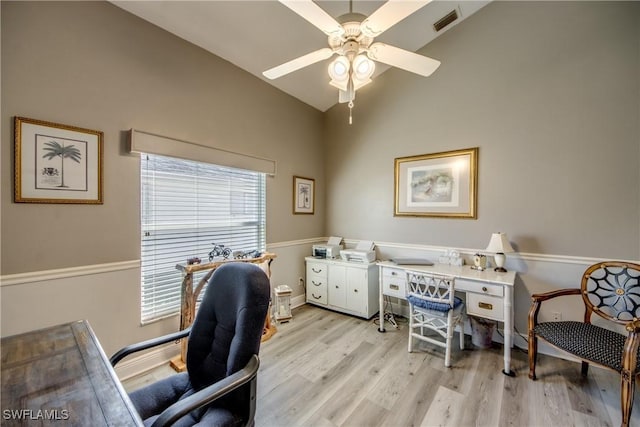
(612, 291)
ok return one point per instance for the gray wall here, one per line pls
(93, 65)
(548, 91)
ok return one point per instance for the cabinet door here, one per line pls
(337, 286)
(357, 290)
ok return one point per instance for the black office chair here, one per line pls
(219, 386)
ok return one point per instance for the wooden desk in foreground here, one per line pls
(61, 376)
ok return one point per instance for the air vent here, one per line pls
(446, 20)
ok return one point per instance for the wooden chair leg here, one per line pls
(627, 390)
(533, 355)
(585, 368)
(411, 320)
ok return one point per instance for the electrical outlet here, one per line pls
(301, 282)
(556, 316)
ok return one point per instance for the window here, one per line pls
(186, 207)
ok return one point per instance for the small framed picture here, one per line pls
(57, 163)
(303, 195)
(437, 185)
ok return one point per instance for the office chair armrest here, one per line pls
(211, 393)
(153, 342)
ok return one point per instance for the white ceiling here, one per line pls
(258, 35)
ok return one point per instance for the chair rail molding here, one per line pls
(62, 273)
(562, 259)
(86, 270)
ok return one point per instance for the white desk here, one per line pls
(489, 294)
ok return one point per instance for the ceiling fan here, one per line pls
(351, 38)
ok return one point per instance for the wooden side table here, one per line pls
(189, 296)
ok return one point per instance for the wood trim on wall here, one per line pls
(39, 276)
(62, 273)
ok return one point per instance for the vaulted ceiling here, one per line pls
(258, 35)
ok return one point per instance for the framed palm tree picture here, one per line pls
(303, 195)
(57, 163)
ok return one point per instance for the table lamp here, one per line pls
(499, 245)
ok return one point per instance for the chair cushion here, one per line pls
(154, 398)
(435, 306)
(586, 341)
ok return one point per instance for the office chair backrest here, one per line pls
(229, 324)
(612, 290)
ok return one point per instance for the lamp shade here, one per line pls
(499, 243)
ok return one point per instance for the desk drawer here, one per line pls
(486, 306)
(479, 287)
(394, 282)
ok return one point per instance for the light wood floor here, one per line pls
(329, 369)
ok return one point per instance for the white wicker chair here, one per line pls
(433, 306)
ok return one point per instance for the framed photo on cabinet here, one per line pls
(56, 163)
(304, 195)
(437, 185)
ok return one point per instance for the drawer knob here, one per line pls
(316, 284)
(394, 287)
(313, 295)
(316, 271)
(485, 305)
(355, 290)
(484, 289)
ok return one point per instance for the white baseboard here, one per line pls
(298, 301)
(137, 365)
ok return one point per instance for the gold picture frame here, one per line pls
(304, 195)
(437, 185)
(56, 163)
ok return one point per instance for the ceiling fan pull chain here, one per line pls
(350, 110)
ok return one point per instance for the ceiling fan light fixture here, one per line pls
(351, 38)
(363, 67)
(339, 72)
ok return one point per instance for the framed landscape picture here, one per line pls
(57, 163)
(437, 185)
(303, 195)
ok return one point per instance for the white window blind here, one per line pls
(188, 206)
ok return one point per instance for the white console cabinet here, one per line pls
(343, 286)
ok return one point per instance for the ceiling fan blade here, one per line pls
(389, 14)
(296, 64)
(404, 59)
(315, 15)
